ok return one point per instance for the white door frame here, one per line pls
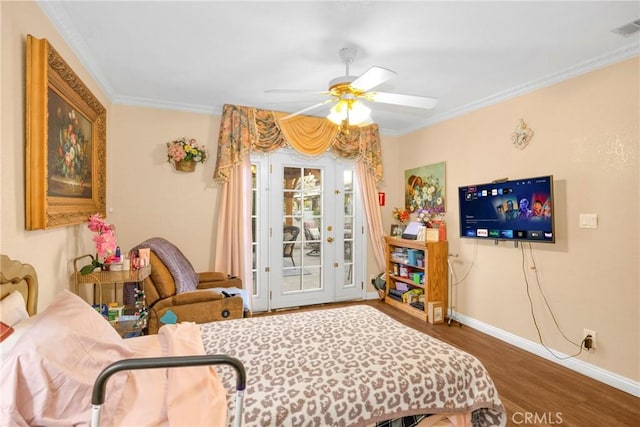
(267, 225)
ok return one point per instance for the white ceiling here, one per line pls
(197, 56)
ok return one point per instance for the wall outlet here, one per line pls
(594, 336)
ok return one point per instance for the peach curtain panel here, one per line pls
(246, 129)
(233, 243)
(369, 189)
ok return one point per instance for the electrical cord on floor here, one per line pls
(533, 315)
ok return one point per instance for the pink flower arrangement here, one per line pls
(183, 149)
(105, 238)
(105, 241)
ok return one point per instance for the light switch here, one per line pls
(588, 220)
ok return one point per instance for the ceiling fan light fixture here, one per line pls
(358, 113)
(338, 112)
(353, 111)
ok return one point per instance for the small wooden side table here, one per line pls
(128, 325)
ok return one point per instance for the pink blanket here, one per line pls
(182, 396)
(47, 375)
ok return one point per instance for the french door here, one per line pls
(307, 224)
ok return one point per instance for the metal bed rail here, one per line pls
(98, 393)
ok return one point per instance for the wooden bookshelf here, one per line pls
(406, 258)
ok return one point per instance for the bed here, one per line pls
(352, 366)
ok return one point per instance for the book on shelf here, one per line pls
(395, 297)
(396, 293)
(418, 305)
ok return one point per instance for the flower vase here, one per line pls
(185, 165)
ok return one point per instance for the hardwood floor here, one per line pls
(534, 391)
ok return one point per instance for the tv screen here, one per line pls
(519, 210)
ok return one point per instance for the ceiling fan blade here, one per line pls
(406, 100)
(304, 110)
(373, 77)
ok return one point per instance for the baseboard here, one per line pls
(614, 380)
(372, 295)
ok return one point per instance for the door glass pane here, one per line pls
(254, 229)
(302, 232)
(348, 226)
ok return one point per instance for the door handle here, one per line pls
(330, 239)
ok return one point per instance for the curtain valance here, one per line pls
(247, 129)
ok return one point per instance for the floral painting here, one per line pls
(425, 188)
(66, 140)
(69, 150)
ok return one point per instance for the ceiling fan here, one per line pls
(347, 93)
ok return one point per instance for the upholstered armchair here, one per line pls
(192, 297)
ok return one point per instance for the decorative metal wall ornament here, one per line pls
(522, 135)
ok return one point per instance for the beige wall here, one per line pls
(50, 251)
(147, 197)
(586, 135)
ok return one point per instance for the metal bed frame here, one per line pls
(98, 393)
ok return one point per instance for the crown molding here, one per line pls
(609, 58)
(167, 105)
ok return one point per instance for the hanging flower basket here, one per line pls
(184, 153)
(185, 165)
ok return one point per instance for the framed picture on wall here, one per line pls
(425, 188)
(66, 143)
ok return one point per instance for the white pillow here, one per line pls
(13, 309)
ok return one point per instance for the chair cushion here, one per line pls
(183, 273)
(160, 283)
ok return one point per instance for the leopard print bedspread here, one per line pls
(348, 366)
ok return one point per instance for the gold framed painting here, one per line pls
(66, 138)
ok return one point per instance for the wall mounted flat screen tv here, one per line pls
(518, 210)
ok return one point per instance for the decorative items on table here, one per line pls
(185, 153)
(105, 241)
(129, 320)
(435, 229)
(140, 258)
(400, 215)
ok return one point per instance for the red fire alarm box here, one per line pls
(381, 198)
